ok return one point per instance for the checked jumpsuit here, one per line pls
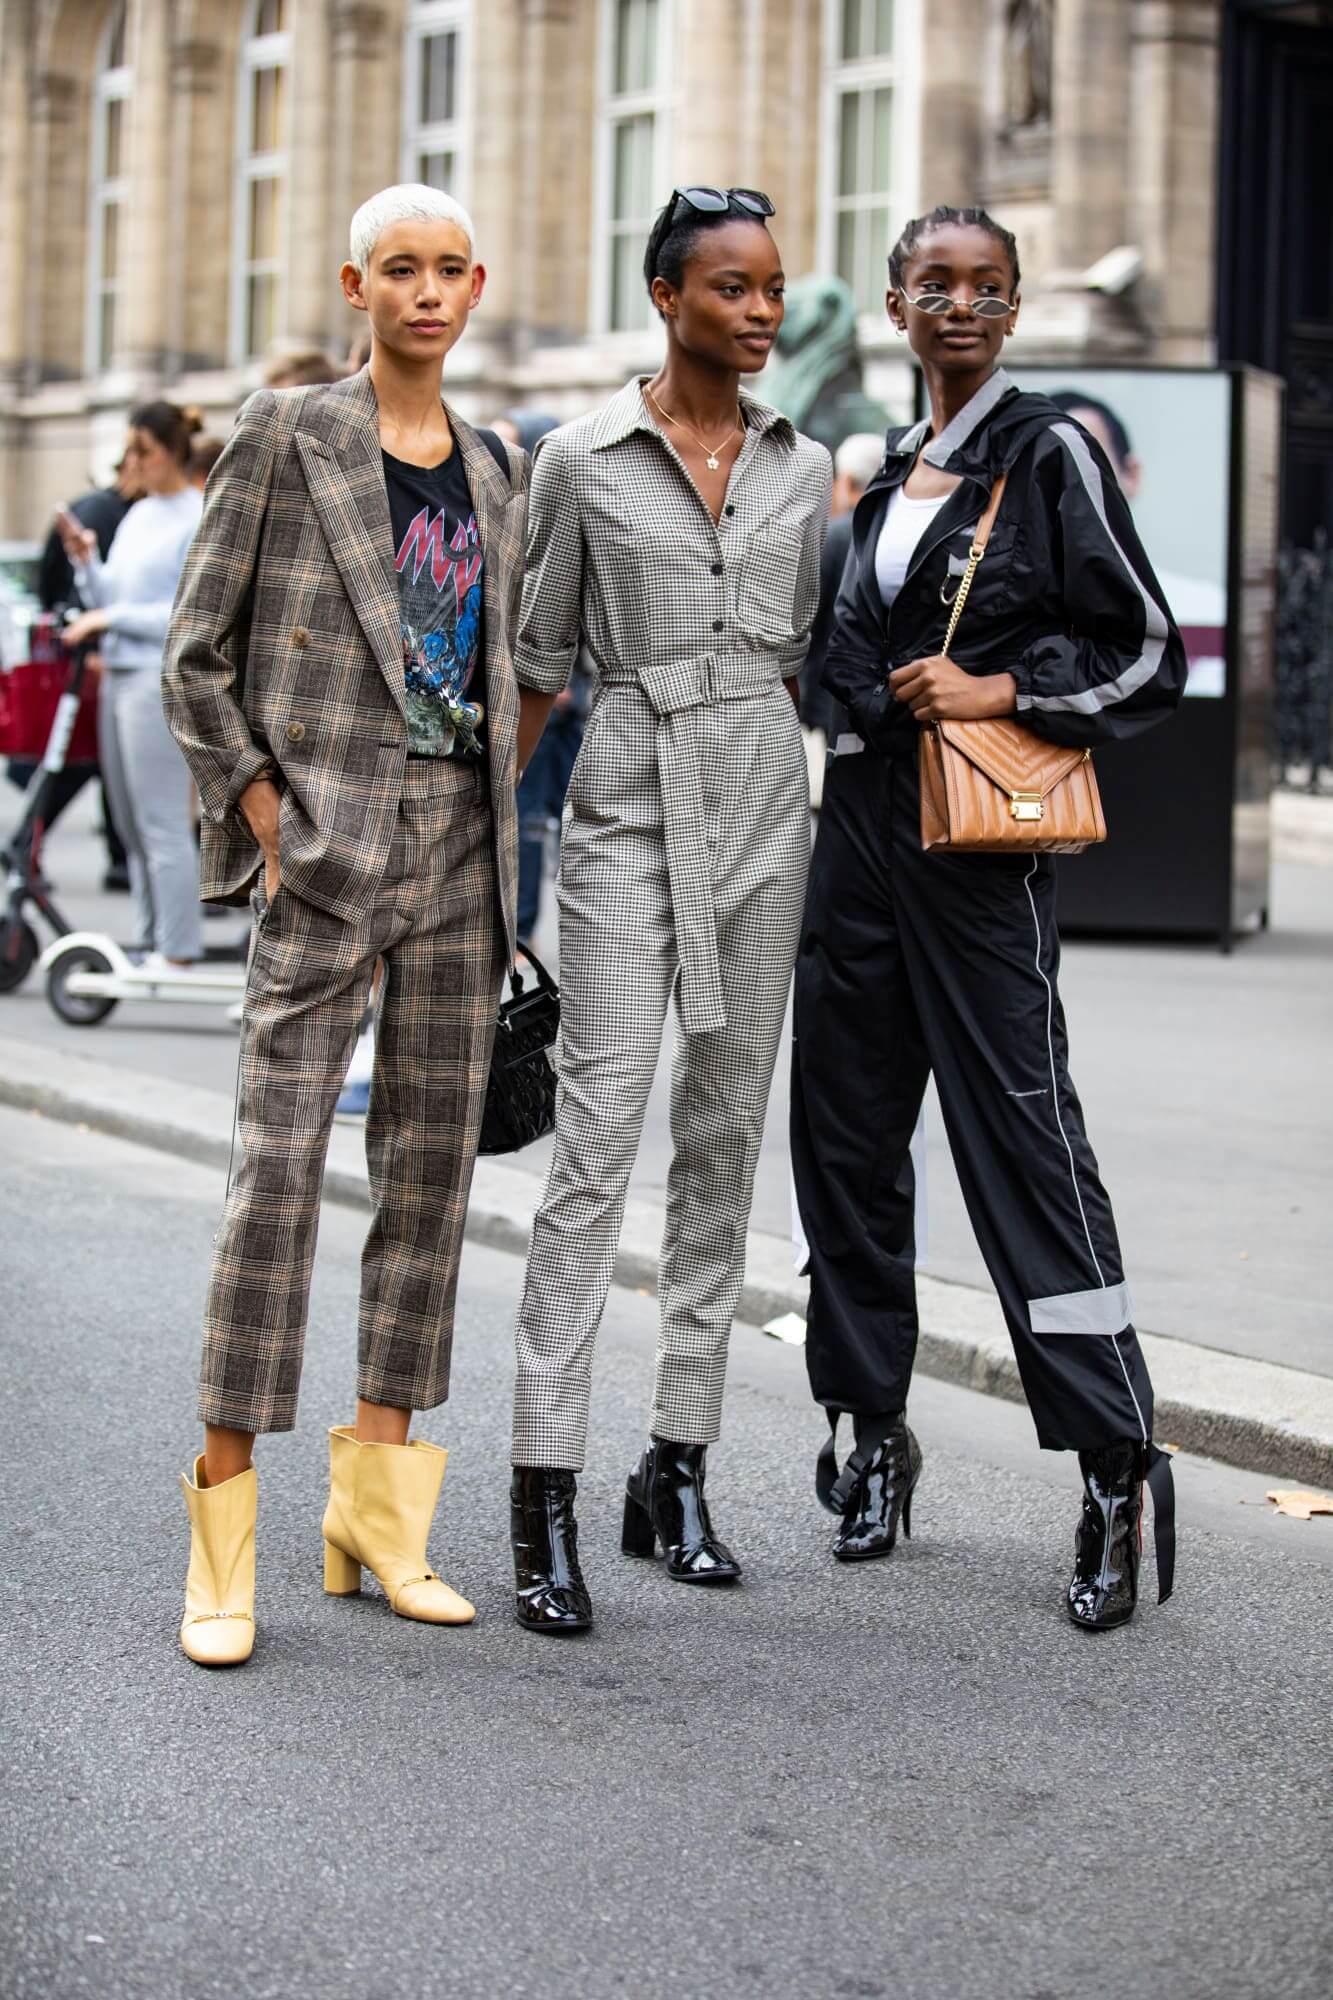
(915, 962)
(682, 876)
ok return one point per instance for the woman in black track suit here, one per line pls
(913, 963)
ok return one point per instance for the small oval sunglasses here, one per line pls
(934, 304)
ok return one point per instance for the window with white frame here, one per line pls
(635, 95)
(434, 115)
(109, 189)
(862, 144)
(261, 179)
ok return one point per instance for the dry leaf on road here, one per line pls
(1289, 1500)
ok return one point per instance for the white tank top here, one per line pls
(904, 524)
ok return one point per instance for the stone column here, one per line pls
(310, 293)
(538, 256)
(16, 143)
(56, 254)
(144, 330)
(203, 103)
(1090, 125)
(366, 98)
(513, 178)
(1172, 171)
(952, 107)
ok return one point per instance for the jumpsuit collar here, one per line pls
(627, 413)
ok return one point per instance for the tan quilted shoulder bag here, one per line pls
(995, 787)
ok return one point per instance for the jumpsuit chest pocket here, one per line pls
(766, 592)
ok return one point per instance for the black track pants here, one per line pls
(912, 963)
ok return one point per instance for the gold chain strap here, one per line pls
(975, 553)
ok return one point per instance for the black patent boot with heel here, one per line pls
(1108, 1543)
(873, 1491)
(664, 1502)
(551, 1595)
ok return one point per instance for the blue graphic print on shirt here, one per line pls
(439, 564)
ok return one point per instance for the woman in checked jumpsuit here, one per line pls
(676, 533)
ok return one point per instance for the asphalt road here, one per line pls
(911, 1780)
(1205, 1081)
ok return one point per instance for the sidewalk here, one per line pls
(1246, 1412)
(1206, 1082)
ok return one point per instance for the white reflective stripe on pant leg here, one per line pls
(1105, 1311)
(1073, 1172)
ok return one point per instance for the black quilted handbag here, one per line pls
(520, 1091)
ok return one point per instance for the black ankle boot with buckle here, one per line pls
(664, 1502)
(874, 1489)
(551, 1593)
(1108, 1544)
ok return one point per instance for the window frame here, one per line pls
(258, 52)
(614, 109)
(899, 72)
(425, 19)
(109, 86)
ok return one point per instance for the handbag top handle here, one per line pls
(975, 553)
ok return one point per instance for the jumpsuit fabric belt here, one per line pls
(674, 691)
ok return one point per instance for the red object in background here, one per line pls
(28, 697)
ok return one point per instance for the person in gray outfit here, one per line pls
(675, 534)
(129, 598)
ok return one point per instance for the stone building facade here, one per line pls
(176, 178)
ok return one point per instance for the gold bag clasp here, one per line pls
(1026, 805)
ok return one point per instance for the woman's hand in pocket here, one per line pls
(938, 691)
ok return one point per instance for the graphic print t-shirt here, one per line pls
(437, 554)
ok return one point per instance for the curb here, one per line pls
(1254, 1414)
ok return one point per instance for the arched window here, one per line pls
(434, 110)
(108, 183)
(261, 181)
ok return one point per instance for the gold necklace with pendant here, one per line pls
(710, 452)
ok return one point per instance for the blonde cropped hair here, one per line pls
(410, 202)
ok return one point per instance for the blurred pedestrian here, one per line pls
(676, 533)
(916, 962)
(542, 789)
(359, 786)
(204, 455)
(303, 369)
(102, 511)
(130, 597)
(855, 463)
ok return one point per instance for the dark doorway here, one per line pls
(1275, 262)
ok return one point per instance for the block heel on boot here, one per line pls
(638, 1537)
(342, 1573)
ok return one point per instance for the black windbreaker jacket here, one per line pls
(1065, 599)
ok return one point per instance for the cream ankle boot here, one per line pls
(381, 1501)
(218, 1629)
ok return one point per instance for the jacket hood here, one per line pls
(984, 439)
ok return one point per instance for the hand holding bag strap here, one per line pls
(975, 553)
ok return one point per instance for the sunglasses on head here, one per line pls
(716, 201)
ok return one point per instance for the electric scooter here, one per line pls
(88, 974)
(25, 885)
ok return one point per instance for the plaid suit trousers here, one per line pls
(434, 920)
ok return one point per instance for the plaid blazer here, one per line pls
(285, 646)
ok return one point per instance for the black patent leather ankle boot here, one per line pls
(664, 1502)
(874, 1490)
(1104, 1588)
(551, 1593)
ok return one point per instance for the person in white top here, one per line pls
(129, 599)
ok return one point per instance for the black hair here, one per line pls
(174, 428)
(939, 218)
(671, 245)
(1070, 400)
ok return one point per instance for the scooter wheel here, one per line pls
(81, 1010)
(18, 954)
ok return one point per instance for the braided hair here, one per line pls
(939, 218)
(671, 245)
